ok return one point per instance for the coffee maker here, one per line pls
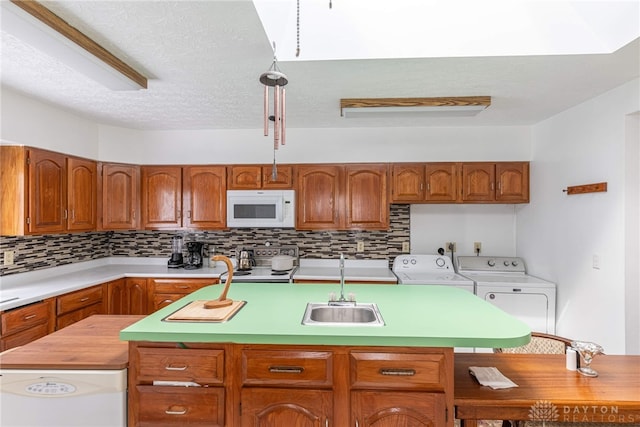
(194, 255)
(176, 260)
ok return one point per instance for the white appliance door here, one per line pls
(41, 398)
(531, 308)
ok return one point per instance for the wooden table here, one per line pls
(546, 385)
(92, 343)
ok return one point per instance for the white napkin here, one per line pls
(491, 377)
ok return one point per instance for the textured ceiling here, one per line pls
(203, 60)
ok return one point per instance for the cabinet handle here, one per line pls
(66, 214)
(176, 411)
(428, 187)
(286, 369)
(492, 186)
(183, 287)
(133, 214)
(28, 317)
(398, 372)
(189, 214)
(326, 422)
(84, 299)
(176, 368)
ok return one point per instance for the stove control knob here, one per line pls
(514, 263)
(491, 262)
(440, 262)
(405, 261)
(506, 263)
(413, 261)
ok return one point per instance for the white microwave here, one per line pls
(261, 208)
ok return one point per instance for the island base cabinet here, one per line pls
(391, 409)
(180, 406)
(277, 407)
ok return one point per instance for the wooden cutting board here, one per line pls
(195, 312)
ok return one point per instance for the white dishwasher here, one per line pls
(63, 398)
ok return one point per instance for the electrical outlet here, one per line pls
(477, 247)
(449, 246)
(405, 247)
(8, 257)
(360, 246)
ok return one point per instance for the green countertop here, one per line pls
(428, 316)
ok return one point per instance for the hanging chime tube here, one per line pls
(276, 117)
(283, 117)
(266, 110)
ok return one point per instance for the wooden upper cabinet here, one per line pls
(161, 197)
(120, 198)
(366, 197)
(204, 197)
(82, 178)
(442, 182)
(256, 177)
(407, 182)
(47, 189)
(319, 197)
(512, 182)
(478, 182)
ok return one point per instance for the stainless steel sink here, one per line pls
(361, 314)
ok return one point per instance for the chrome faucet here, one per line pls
(342, 300)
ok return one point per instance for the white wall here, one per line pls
(26, 121)
(632, 233)
(559, 235)
(316, 145)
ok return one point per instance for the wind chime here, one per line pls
(275, 81)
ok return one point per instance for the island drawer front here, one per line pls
(180, 406)
(288, 368)
(203, 366)
(78, 299)
(25, 317)
(398, 370)
(180, 286)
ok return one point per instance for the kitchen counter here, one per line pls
(21, 289)
(354, 270)
(431, 316)
(91, 343)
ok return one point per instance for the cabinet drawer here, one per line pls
(180, 406)
(177, 286)
(76, 316)
(398, 370)
(204, 366)
(288, 368)
(25, 317)
(82, 298)
(23, 337)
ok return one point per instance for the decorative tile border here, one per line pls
(38, 252)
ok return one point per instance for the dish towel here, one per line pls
(491, 377)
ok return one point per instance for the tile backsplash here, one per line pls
(38, 252)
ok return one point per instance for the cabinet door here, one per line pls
(161, 197)
(47, 202)
(407, 183)
(245, 177)
(137, 295)
(120, 197)
(283, 180)
(117, 299)
(367, 202)
(319, 197)
(204, 197)
(275, 407)
(77, 315)
(512, 182)
(478, 182)
(391, 409)
(442, 182)
(82, 194)
(180, 406)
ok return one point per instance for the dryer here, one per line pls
(504, 282)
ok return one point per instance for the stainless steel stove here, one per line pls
(261, 271)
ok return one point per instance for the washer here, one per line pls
(504, 282)
(429, 270)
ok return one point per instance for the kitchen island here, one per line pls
(264, 367)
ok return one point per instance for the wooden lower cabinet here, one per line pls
(75, 306)
(22, 325)
(167, 291)
(245, 385)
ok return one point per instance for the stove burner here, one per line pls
(242, 272)
(279, 272)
